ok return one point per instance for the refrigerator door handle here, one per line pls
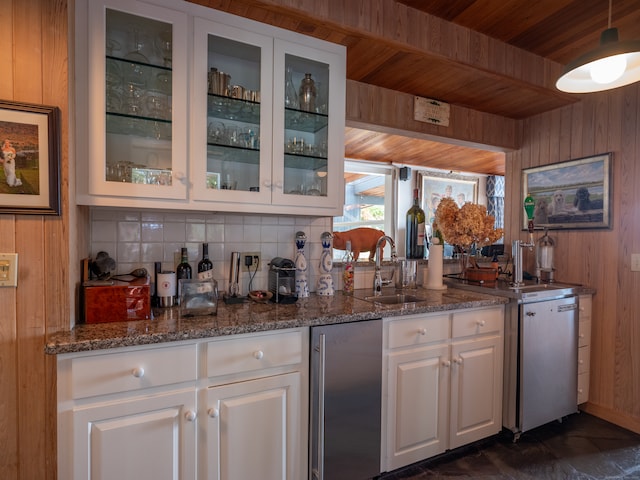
(319, 471)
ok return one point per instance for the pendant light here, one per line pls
(613, 64)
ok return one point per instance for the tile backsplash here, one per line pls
(140, 238)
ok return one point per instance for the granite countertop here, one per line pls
(168, 326)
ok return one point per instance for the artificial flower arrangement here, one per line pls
(465, 226)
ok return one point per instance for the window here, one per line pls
(369, 199)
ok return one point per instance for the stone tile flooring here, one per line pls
(581, 447)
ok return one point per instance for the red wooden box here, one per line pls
(119, 302)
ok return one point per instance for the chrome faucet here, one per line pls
(516, 253)
(378, 282)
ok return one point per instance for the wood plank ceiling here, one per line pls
(549, 32)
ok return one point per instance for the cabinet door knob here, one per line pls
(190, 415)
(422, 331)
(446, 363)
(457, 361)
(258, 354)
(138, 372)
(213, 412)
(481, 323)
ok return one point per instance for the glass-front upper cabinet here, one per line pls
(308, 126)
(136, 96)
(231, 114)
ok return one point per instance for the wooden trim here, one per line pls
(618, 418)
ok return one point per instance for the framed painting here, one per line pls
(29, 159)
(435, 187)
(570, 195)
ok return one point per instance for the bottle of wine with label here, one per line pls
(415, 229)
(205, 266)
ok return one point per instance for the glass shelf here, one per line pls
(126, 61)
(228, 108)
(229, 153)
(124, 124)
(302, 121)
(305, 162)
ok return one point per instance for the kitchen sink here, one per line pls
(395, 299)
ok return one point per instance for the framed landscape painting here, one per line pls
(29, 159)
(570, 195)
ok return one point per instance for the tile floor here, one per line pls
(581, 447)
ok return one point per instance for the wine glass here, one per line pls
(164, 43)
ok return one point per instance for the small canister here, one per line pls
(166, 289)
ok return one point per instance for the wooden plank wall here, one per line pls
(34, 44)
(603, 122)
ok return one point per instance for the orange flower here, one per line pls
(466, 225)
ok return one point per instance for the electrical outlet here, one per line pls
(8, 269)
(635, 262)
(253, 256)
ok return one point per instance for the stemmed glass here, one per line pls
(164, 43)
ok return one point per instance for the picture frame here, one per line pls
(29, 158)
(435, 185)
(574, 194)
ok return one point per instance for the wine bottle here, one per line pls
(347, 273)
(415, 229)
(205, 267)
(183, 270)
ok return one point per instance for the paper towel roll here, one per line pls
(434, 269)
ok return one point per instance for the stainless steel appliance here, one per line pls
(541, 360)
(282, 280)
(345, 391)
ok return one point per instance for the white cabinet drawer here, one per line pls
(584, 307)
(583, 359)
(123, 371)
(478, 322)
(584, 333)
(254, 352)
(583, 388)
(418, 330)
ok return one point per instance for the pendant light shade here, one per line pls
(613, 64)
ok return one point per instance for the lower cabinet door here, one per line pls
(253, 430)
(418, 394)
(147, 437)
(476, 390)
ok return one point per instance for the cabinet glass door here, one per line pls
(133, 78)
(231, 124)
(309, 148)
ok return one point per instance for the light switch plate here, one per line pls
(8, 269)
(635, 262)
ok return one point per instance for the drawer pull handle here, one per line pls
(422, 331)
(481, 323)
(138, 372)
(213, 412)
(190, 416)
(258, 354)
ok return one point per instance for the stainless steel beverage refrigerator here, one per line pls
(345, 391)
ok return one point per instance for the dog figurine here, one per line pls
(10, 169)
(362, 240)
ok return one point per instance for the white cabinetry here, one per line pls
(146, 412)
(255, 406)
(442, 382)
(128, 414)
(584, 346)
(198, 117)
